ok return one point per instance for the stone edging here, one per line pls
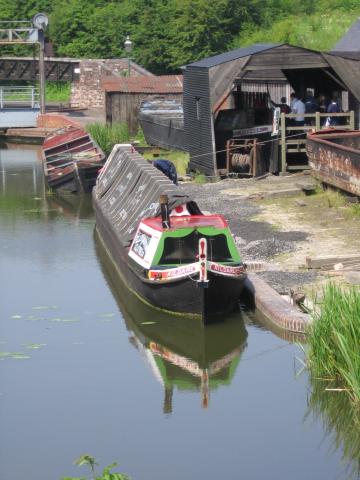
(274, 307)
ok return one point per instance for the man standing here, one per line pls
(333, 108)
(284, 107)
(299, 109)
(293, 100)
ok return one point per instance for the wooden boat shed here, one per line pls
(124, 95)
(217, 106)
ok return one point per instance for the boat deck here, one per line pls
(188, 221)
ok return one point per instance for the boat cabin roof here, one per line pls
(188, 221)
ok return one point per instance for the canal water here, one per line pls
(85, 368)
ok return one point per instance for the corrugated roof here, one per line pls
(233, 55)
(145, 84)
(350, 42)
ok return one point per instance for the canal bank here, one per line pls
(84, 371)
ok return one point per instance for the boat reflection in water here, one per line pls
(72, 207)
(181, 353)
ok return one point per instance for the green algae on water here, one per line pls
(14, 356)
(34, 346)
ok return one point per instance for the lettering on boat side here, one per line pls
(225, 269)
(192, 268)
(174, 272)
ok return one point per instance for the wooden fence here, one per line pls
(288, 133)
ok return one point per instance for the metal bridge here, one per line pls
(27, 68)
(19, 106)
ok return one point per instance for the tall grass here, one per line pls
(58, 91)
(335, 339)
(108, 135)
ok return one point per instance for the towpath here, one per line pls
(274, 221)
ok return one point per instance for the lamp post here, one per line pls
(40, 21)
(128, 44)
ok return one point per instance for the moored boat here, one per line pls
(72, 160)
(334, 156)
(181, 353)
(169, 254)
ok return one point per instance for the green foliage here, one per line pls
(178, 158)
(90, 461)
(86, 460)
(335, 337)
(108, 135)
(314, 26)
(58, 91)
(140, 137)
(169, 33)
(355, 210)
(200, 178)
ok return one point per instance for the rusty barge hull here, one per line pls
(334, 157)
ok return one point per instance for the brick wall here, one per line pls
(88, 91)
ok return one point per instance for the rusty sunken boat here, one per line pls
(334, 156)
(72, 160)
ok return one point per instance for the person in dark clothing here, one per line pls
(311, 104)
(323, 103)
(333, 108)
(167, 168)
(284, 107)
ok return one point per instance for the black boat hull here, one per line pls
(181, 297)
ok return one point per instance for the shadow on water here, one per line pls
(341, 420)
(180, 351)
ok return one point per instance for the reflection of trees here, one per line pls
(341, 419)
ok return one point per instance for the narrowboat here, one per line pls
(181, 355)
(168, 253)
(72, 160)
(334, 156)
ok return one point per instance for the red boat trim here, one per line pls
(226, 270)
(192, 268)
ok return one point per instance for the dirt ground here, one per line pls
(276, 223)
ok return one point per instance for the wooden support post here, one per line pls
(283, 143)
(317, 121)
(352, 120)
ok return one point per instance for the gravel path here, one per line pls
(257, 241)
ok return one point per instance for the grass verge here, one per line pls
(335, 337)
